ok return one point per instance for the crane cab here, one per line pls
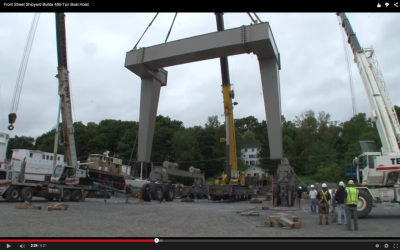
(373, 169)
(68, 175)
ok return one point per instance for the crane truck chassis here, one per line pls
(377, 172)
(13, 188)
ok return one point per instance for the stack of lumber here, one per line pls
(57, 206)
(27, 205)
(283, 222)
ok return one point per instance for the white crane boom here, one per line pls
(383, 113)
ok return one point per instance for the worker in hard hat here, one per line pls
(298, 195)
(313, 199)
(351, 201)
(323, 198)
(340, 196)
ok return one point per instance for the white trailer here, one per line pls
(39, 165)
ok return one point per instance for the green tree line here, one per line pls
(314, 144)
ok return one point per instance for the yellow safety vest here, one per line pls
(324, 196)
(352, 196)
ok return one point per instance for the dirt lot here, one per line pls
(202, 218)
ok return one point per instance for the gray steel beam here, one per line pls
(255, 39)
(150, 94)
(272, 100)
(147, 63)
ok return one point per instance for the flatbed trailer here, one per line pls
(13, 188)
(230, 192)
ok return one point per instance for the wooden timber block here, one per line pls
(53, 208)
(56, 204)
(267, 224)
(286, 222)
(297, 225)
(251, 213)
(22, 206)
(295, 218)
(275, 224)
(274, 219)
(265, 208)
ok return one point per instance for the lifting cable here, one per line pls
(252, 19)
(22, 70)
(348, 65)
(257, 17)
(171, 27)
(145, 31)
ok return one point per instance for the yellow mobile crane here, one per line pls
(233, 184)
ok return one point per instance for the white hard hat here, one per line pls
(351, 182)
(341, 184)
(299, 187)
(312, 186)
(324, 185)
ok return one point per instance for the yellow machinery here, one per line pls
(233, 184)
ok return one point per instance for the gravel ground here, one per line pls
(202, 218)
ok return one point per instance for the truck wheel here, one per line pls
(169, 193)
(156, 192)
(213, 197)
(145, 192)
(76, 195)
(275, 195)
(26, 194)
(191, 196)
(365, 203)
(66, 195)
(13, 193)
(290, 195)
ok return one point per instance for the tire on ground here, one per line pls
(156, 192)
(169, 193)
(290, 195)
(145, 192)
(66, 196)
(13, 193)
(76, 195)
(275, 195)
(365, 203)
(26, 194)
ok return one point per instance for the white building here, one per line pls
(38, 164)
(259, 173)
(4, 138)
(250, 153)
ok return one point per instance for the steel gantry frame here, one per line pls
(148, 63)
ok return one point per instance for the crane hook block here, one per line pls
(12, 117)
